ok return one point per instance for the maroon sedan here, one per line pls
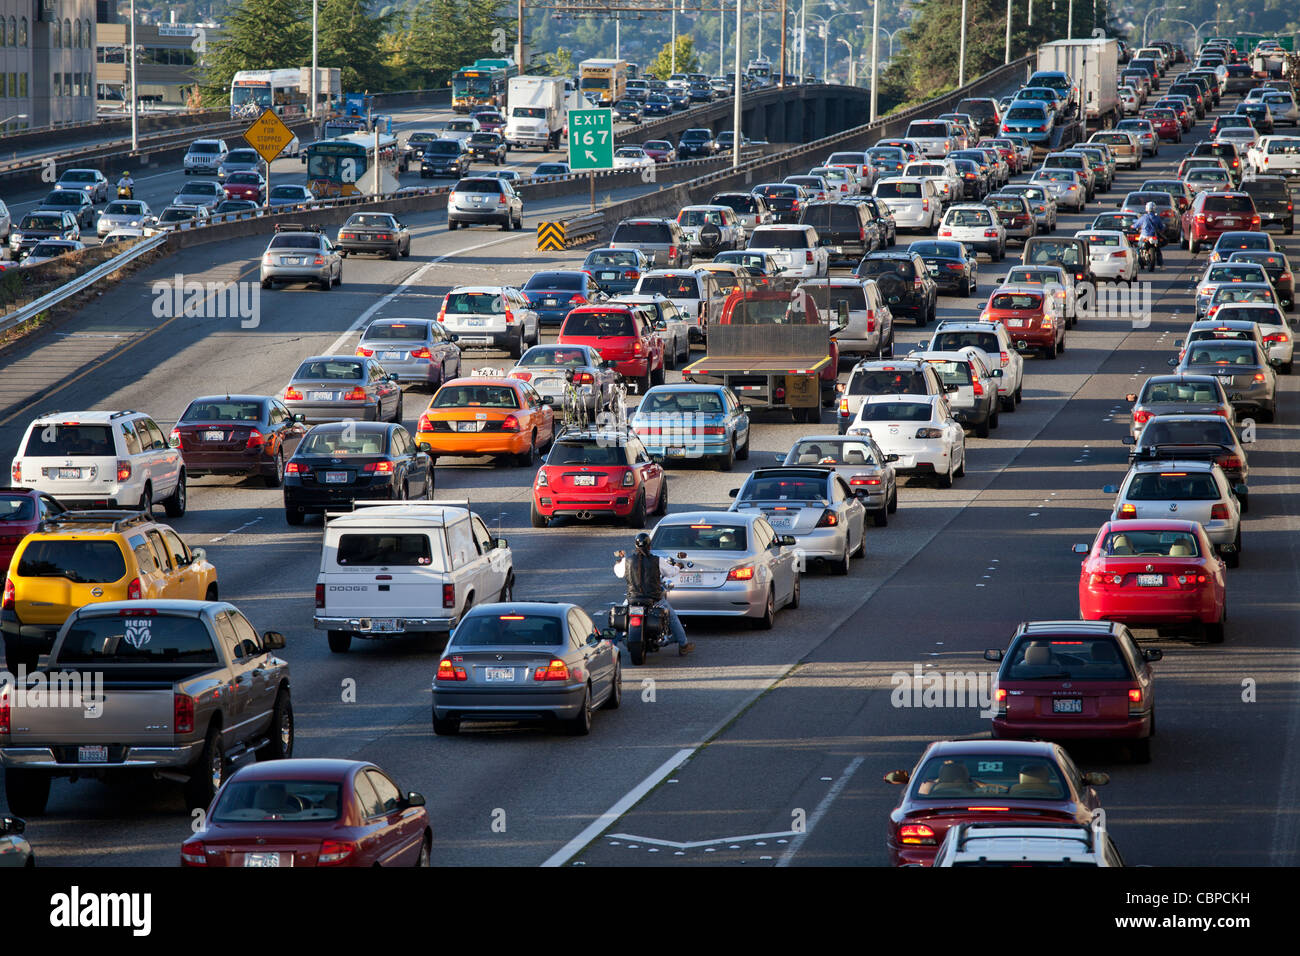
(1166, 122)
(21, 510)
(238, 435)
(490, 120)
(312, 813)
(985, 781)
(660, 150)
(245, 185)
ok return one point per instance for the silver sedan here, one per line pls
(739, 566)
(859, 461)
(813, 504)
(123, 214)
(550, 368)
(301, 256)
(330, 388)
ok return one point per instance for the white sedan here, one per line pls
(919, 430)
(1110, 254)
(631, 157)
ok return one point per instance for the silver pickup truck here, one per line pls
(176, 688)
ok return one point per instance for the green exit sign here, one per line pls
(591, 140)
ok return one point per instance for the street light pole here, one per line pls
(674, 43)
(783, 35)
(1006, 56)
(1069, 22)
(313, 58)
(802, 46)
(875, 54)
(135, 123)
(961, 58)
(735, 108)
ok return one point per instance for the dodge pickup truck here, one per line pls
(181, 689)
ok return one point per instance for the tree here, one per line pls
(258, 35)
(687, 60)
(559, 63)
(349, 37)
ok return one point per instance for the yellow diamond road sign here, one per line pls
(268, 135)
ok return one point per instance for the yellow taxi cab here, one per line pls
(88, 557)
(487, 415)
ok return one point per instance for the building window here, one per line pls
(22, 32)
(13, 32)
(22, 83)
(4, 90)
(13, 85)
(77, 32)
(89, 35)
(67, 34)
(67, 85)
(56, 35)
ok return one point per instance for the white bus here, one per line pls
(252, 91)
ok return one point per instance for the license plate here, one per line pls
(321, 396)
(675, 451)
(475, 323)
(584, 480)
(691, 579)
(336, 477)
(552, 302)
(1151, 580)
(385, 624)
(394, 356)
(780, 523)
(214, 436)
(263, 859)
(1067, 705)
(609, 275)
(467, 426)
(934, 270)
(476, 198)
(69, 472)
(1015, 323)
(92, 754)
(499, 673)
(292, 261)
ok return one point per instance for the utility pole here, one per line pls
(802, 46)
(618, 36)
(783, 33)
(1069, 22)
(722, 40)
(961, 58)
(875, 53)
(735, 99)
(674, 43)
(135, 125)
(314, 91)
(1006, 56)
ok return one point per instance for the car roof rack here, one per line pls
(297, 227)
(124, 412)
(118, 519)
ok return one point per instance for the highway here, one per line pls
(716, 758)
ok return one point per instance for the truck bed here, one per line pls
(763, 349)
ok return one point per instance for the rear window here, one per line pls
(277, 801)
(1164, 432)
(831, 216)
(442, 147)
(895, 412)
(854, 295)
(687, 403)
(587, 453)
(897, 190)
(951, 372)
(70, 441)
(1075, 658)
(508, 630)
(375, 549)
(1284, 147)
(979, 109)
(16, 508)
(700, 217)
(1018, 301)
(738, 203)
(81, 562)
(1025, 113)
(928, 130)
(486, 185)
(969, 217)
(888, 382)
(330, 370)
(554, 356)
(138, 640)
(963, 777)
(1222, 353)
(599, 324)
(1266, 188)
(1173, 486)
(1228, 204)
(779, 239)
(396, 331)
(1154, 544)
(555, 280)
(643, 232)
(219, 411)
(700, 537)
(484, 396)
(286, 242)
(474, 303)
(1044, 252)
(784, 488)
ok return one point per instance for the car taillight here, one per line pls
(828, 519)
(925, 205)
(916, 834)
(362, 350)
(16, 472)
(319, 261)
(578, 299)
(424, 424)
(449, 671)
(1142, 417)
(175, 438)
(320, 595)
(990, 233)
(291, 394)
(379, 468)
(355, 395)
(637, 347)
(844, 407)
(295, 468)
(1135, 695)
(1277, 337)
(1118, 255)
(182, 714)
(808, 256)
(1259, 376)
(871, 320)
(501, 200)
(334, 852)
(542, 480)
(584, 378)
(123, 471)
(193, 852)
(133, 590)
(449, 595)
(744, 573)
(421, 353)
(555, 670)
(946, 232)
(672, 252)
(10, 595)
(1229, 463)
(1128, 511)
(975, 384)
(1200, 217)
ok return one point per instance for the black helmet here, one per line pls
(643, 542)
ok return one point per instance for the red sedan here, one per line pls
(1032, 318)
(983, 781)
(312, 813)
(21, 510)
(1075, 680)
(1160, 574)
(599, 472)
(247, 185)
(1166, 123)
(1212, 214)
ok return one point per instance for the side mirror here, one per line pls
(952, 387)
(786, 540)
(198, 554)
(891, 458)
(1109, 490)
(1128, 440)
(299, 418)
(897, 777)
(1080, 548)
(660, 325)
(500, 544)
(414, 799)
(996, 373)
(548, 400)
(1240, 490)
(1096, 779)
(1153, 654)
(1172, 363)
(733, 492)
(425, 447)
(12, 825)
(273, 641)
(1131, 397)
(993, 654)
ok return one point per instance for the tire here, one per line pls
(28, 791)
(276, 479)
(1140, 750)
(967, 289)
(766, 622)
(796, 594)
(1008, 404)
(636, 652)
(294, 516)
(993, 417)
(1214, 633)
(982, 429)
(1234, 560)
(945, 481)
(526, 459)
(174, 504)
(207, 773)
(280, 746)
(517, 346)
(637, 518)
(425, 851)
(146, 501)
(727, 462)
(661, 506)
(615, 698)
(339, 641)
(1053, 352)
(448, 727)
(397, 412)
(841, 568)
(1192, 245)
(1287, 367)
(580, 726)
(451, 225)
(1020, 394)
(538, 519)
(657, 375)
(507, 590)
(880, 519)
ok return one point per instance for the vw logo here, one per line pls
(1151, 567)
(1173, 506)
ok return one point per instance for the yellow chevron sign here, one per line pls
(550, 235)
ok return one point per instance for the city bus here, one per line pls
(336, 166)
(760, 71)
(603, 82)
(482, 83)
(252, 91)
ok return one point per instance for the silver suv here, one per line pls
(661, 239)
(205, 156)
(485, 199)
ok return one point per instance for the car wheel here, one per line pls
(615, 698)
(993, 416)
(1214, 633)
(339, 641)
(637, 518)
(661, 506)
(657, 375)
(174, 504)
(538, 519)
(146, 501)
(517, 346)
(526, 459)
(768, 619)
(945, 481)
(580, 725)
(28, 791)
(727, 460)
(280, 744)
(294, 516)
(445, 727)
(397, 412)
(892, 507)
(276, 479)
(1140, 750)
(451, 225)
(207, 773)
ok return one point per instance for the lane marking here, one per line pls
(246, 524)
(699, 843)
(820, 810)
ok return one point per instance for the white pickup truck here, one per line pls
(416, 567)
(1277, 156)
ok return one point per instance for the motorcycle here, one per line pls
(643, 624)
(125, 192)
(1147, 254)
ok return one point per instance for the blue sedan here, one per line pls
(553, 295)
(676, 422)
(1029, 118)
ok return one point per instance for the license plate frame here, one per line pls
(781, 522)
(675, 451)
(274, 860)
(1067, 705)
(584, 481)
(690, 580)
(475, 323)
(394, 356)
(73, 474)
(214, 434)
(468, 427)
(92, 753)
(334, 477)
(320, 396)
(608, 276)
(494, 675)
(1151, 580)
(385, 625)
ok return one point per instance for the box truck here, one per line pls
(1093, 66)
(536, 111)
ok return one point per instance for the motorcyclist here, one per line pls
(1149, 226)
(127, 183)
(645, 581)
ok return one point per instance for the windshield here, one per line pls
(486, 396)
(288, 192)
(700, 537)
(64, 198)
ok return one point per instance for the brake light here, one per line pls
(916, 834)
(828, 519)
(745, 573)
(628, 478)
(522, 376)
(555, 670)
(925, 205)
(808, 256)
(16, 472)
(637, 347)
(1230, 463)
(133, 590)
(334, 852)
(379, 467)
(1128, 511)
(1259, 376)
(320, 595)
(1276, 337)
(584, 378)
(123, 471)
(362, 350)
(946, 232)
(291, 394)
(449, 671)
(1142, 417)
(422, 353)
(192, 851)
(510, 316)
(975, 384)
(424, 425)
(175, 438)
(990, 233)
(501, 200)
(295, 468)
(182, 714)
(863, 480)
(10, 595)
(871, 320)
(844, 407)
(1135, 695)
(672, 252)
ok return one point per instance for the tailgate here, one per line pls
(135, 715)
(778, 349)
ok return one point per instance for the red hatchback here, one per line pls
(1166, 122)
(623, 334)
(244, 185)
(312, 813)
(1032, 317)
(985, 781)
(598, 472)
(1157, 574)
(1075, 680)
(1212, 214)
(21, 511)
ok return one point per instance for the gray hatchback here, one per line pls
(331, 388)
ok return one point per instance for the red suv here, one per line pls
(599, 471)
(1166, 122)
(1214, 213)
(21, 512)
(623, 334)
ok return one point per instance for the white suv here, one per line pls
(205, 156)
(101, 460)
(994, 340)
(490, 317)
(796, 248)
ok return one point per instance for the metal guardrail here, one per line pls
(581, 227)
(84, 281)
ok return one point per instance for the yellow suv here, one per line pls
(87, 557)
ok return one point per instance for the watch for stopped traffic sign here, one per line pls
(268, 135)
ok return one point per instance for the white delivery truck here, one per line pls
(1093, 66)
(536, 111)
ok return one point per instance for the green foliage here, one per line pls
(687, 59)
(559, 63)
(258, 35)
(349, 37)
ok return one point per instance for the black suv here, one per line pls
(984, 112)
(1066, 251)
(696, 142)
(490, 147)
(1272, 201)
(905, 283)
(847, 229)
(444, 157)
(1193, 92)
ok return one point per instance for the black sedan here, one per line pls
(627, 111)
(342, 462)
(487, 147)
(952, 266)
(657, 104)
(681, 99)
(554, 294)
(376, 232)
(250, 435)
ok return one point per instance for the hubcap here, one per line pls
(286, 731)
(214, 769)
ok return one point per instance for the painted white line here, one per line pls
(820, 810)
(414, 277)
(625, 803)
(699, 843)
(246, 524)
